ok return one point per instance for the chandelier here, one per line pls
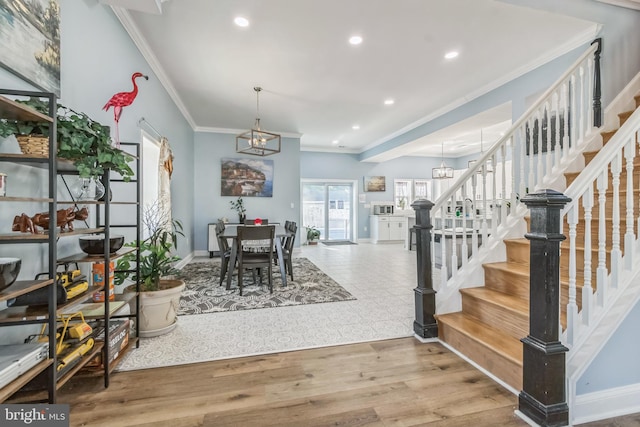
(443, 172)
(488, 167)
(256, 141)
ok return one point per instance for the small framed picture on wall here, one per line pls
(374, 183)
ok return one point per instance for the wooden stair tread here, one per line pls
(508, 302)
(512, 267)
(494, 339)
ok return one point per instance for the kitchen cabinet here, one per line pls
(387, 228)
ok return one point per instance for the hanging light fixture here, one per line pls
(256, 141)
(488, 167)
(443, 172)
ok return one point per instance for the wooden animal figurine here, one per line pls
(64, 218)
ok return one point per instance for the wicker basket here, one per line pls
(34, 145)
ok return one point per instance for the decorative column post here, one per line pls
(425, 324)
(543, 398)
(597, 92)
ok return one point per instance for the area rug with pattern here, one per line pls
(203, 294)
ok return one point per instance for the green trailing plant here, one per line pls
(82, 140)
(156, 252)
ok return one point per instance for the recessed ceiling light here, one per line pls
(389, 102)
(241, 22)
(451, 55)
(355, 40)
(335, 141)
(355, 127)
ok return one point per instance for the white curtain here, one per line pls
(165, 169)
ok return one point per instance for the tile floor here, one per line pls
(381, 277)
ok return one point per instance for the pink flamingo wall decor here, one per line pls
(122, 99)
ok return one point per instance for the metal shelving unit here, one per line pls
(10, 109)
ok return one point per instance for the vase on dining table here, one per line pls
(241, 218)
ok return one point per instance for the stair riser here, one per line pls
(507, 282)
(504, 368)
(515, 324)
(623, 117)
(518, 252)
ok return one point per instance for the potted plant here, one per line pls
(80, 139)
(238, 206)
(160, 289)
(313, 234)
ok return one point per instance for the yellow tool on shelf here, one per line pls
(77, 332)
(74, 282)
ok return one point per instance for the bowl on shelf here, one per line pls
(9, 270)
(94, 244)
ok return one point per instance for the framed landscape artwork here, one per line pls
(374, 183)
(247, 177)
(30, 34)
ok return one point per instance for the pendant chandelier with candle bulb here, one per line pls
(444, 171)
(256, 141)
(488, 167)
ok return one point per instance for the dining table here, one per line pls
(231, 232)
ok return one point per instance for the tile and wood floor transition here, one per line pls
(393, 382)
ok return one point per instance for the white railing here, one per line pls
(603, 208)
(472, 216)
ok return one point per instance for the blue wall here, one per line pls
(318, 165)
(617, 365)
(97, 60)
(209, 205)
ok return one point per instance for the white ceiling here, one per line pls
(318, 85)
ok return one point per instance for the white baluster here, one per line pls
(629, 237)
(531, 167)
(503, 202)
(474, 231)
(494, 204)
(616, 253)
(539, 156)
(444, 274)
(587, 288)
(603, 183)
(582, 106)
(572, 307)
(574, 107)
(549, 155)
(484, 203)
(565, 108)
(590, 71)
(557, 149)
(521, 136)
(464, 250)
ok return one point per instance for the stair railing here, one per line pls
(472, 217)
(599, 194)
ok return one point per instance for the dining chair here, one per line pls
(255, 251)
(287, 248)
(225, 251)
(253, 221)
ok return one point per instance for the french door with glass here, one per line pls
(329, 207)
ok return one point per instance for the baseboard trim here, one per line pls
(425, 340)
(184, 261)
(606, 404)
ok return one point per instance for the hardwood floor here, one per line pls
(399, 382)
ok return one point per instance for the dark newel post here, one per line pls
(425, 324)
(543, 397)
(597, 105)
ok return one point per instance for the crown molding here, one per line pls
(209, 129)
(630, 4)
(141, 43)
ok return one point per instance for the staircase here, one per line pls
(495, 317)
(480, 305)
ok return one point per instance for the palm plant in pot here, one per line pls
(160, 288)
(313, 234)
